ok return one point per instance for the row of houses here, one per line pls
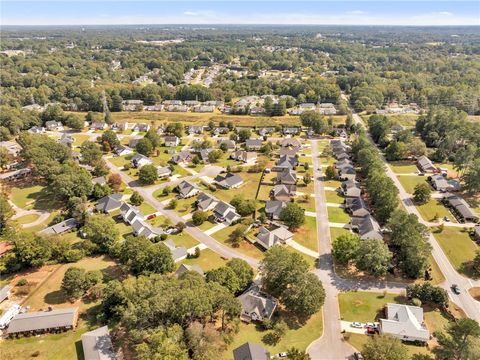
(174, 106)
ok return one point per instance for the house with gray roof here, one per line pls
(184, 268)
(286, 162)
(133, 142)
(367, 227)
(461, 208)
(225, 213)
(66, 140)
(109, 203)
(183, 157)
(36, 130)
(439, 183)
(283, 192)
(193, 129)
(286, 177)
(404, 322)
(53, 125)
(347, 173)
(60, 228)
(122, 150)
(351, 188)
(221, 130)
(253, 144)
(356, 206)
(5, 293)
(130, 213)
(289, 151)
(229, 143)
(43, 321)
(97, 344)
(98, 125)
(141, 127)
(100, 180)
(206, 202)
(228, 181)
(291, 131)
(244, 156)
(250, 351)
(142, 228)
(203, 153)
(268, 238)
(291, 143)
(256, 305)
(273, 208)
(140, 160)
(163, 172)
(171, 141)
(265, 131)
(425, 164)
(186, 189)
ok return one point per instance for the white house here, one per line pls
(404, 322)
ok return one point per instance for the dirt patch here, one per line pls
(475, 292)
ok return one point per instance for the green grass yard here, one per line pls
(306, 235)
(184, 239)
(435, 209)
(403, 167)
(27, 219)
(33, 197)
(410, 181)
(336, 232)
(338, 215)
(208, 260)
(146, 209)
(333, 197)
(245, 247)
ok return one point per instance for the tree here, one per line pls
(136, 199)
(4, 157)
(243, 206)
(154, 138)
(115, 182)
(460, 342)
(214, 155)
(379, 127)
(205, 342)
(100, 191)
(345, 247)
(144, 146)
(243, 271)
(6, 213)
(74, 122)
(330, 172)
(476, 262)
(148, 174)
(226, 277)
(199, 217)
(383, 347)
(422, 193)
(116, 103)
(373, 257)
(472, 177)
(280, 328)
(307, 179)
(164, 343)
(73, 181)
(305, 296)
(141, 256)
(296, 354)
(396, 150)
(91, 153)
(237, 235)
(426, 292)
(244, 134)
(102, 231)
(292, 215)
(74, 283)
(109, 140)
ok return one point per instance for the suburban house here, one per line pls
(273, 208)
(229, 181)
(461, 208)
(15, 175)
(286, 162)
(142, 228)
(256, 305)
(206, 201)
(186, 190)
(176, 108)
(66, 140)
(244, 156)
(98, 125)
(268, 238)
(178, 253)
(60, 228)
(195, 129)
(141, 127)
(291, 131)
(342, 155)
(229, 143)
(43, 321)
(123, 150)
(140, 160)
(289, 150)
(36, 130)
(439, 183)
(283, 192)
(120, 126)
(225, 213)
(286, 177)
(172, 102)
(343, 163)
(97, 344)
(295, 143)
(426, 165)
(5, 293)
(109, 203)
(184, 268)
(153, 107)
(171, 141)
(221, 130)
(191, 102)
(265, 131)
(183, 157)
(253, 144)
(163, 172)
(203, 108)
(351, 188)
(367, 227)
(347, 173)
(204, 155)
(130, 213)
(327, 109)
(404, 322)
(53, 125)
(257, 110)
(250, 351)
(356, 206)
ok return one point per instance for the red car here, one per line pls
(152, 216)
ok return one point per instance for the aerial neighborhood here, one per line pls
(239, 193)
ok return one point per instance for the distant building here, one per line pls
(60, 228)
(186, 190)
(5, 293)
(43, 321)
(183, 268)
(229, 181)
(97, 345)
(54, 125)
(253, 144)
(244, 156)
(250, 351)
(171, 141)
(425, 164)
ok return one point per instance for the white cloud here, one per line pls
(190, 13)
(356, 12)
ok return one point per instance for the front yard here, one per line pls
(306, 235)
(208, 260)
(338, 215)
(434, 210)
(245, 247)
(410, 181)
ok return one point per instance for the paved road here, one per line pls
(331, 346)
(463, 300)
(208, 241)
(43, 215)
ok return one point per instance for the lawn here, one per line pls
(296, 336)
(403, 167)
(79, 139)
(332, 183)
(120, 161)
(146, 209)
(365, 306)
(186, 206)
(327, 160)
(264, 193)
(248, 189)
(337, 215)
(33, 197)
(306, 235)
(27, 219)
(160, 221)
(436, 273)
(410, 181)
(336, 232)
(307, 203)
(458, 247)
(208, 260)
(184, 239)
(310, 260)
(206, 225)
(333, 197)
(434, 209)
(245, 247)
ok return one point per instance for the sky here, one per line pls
(110, 12)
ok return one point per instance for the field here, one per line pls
(208, 260)
(184, 239)
(248, 189)
(27, 219)
(245, 247)
(435, 209)
(298, 335)
(458, 247)
(410, 181)
(403, 167)
(338, 215)
(306, 235)
(33, 197)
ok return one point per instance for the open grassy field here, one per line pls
(208, 260)
(248, 189)
(306, 235)
(435, 209)
(338, 215)
(403, 167)
(458, 247)
(33, 197)
(184, 239)
(27, 219)
(245, 247)
(410, 181)
(333, 197)
(297, 335)
(336, 232)
(146, 209)
(79, 139)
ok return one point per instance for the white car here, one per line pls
(282, 355)
(356, 325)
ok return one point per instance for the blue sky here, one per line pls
(240, 12)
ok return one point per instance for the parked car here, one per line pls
(455, 289)
(371, 330)
(151, 216)
(356, 325)
(282, 355)
(358, 356)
